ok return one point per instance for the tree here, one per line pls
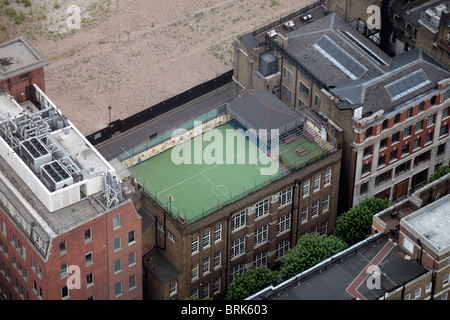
(310, 249)
(356, 224)
(250, 282)
(440, 172)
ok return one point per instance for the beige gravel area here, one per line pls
(132, 54)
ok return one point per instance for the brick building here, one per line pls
(406, 257)
(21, 66)
(394, 111)
(66, 231)
(201, 257)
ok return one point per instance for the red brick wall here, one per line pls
(17, 87)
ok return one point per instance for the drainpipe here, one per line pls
(226, 250)
(421, 250)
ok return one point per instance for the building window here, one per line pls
(366, 168)
(327, 177)
(262, 208)
(88, 235)
(445, 113)
(63, 247)
(236, 271)
(445, 280)
(171, 237)
(117, 244)
(419, 126)
(118, 289)
(405, 149)
(194, 245)
(282, 248)
(173, 288)
(316, 186)
(216, 285)
(407, 132)
(284, 197)
(206, 239)
(409, 113)
(417, 293)
(117, 265)
(304, 214)
(237, 247)
(430, 120)
(131, 237)
(287, 75)
(385, 124)
(444, 130)
(383, 178)
(89, 279)
(421, 106)
(324, 228)
(416, 144)
(364, 188)
(218, 233)
(369, 132)
(65, 292)
(260, 259)
(304, 89)
(441, 149)
(116, 222)
(315, 209)
(381, 161)
(326, 203)
(306, 188)
(217, 260)
(284, 223)
(393, 155)
(89, 258)
(317, 101)
(238, 221)
(397, 118)
(402, 168)
(194, 272)
(131, 259)
(424, 157)
(261, 235)
(367, 151)
(429, 137)
(63, 270)
(396, 137)
(383, 143)
(206, 265)
(286, 93)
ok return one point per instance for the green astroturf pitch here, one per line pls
(198, 188)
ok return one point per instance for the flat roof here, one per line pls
(18, 56)
(198, 188)
(345, 276)
(432, 223)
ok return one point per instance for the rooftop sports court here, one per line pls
(199, 189)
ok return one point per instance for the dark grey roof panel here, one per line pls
(407, 84)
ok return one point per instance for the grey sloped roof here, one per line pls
(347, 47)
(260, 109)
(410, 74)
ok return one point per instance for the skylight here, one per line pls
(410, 83)
(341, 59)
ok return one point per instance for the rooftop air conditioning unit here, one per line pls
(435, 21)
(439, 9)
(428, 14)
